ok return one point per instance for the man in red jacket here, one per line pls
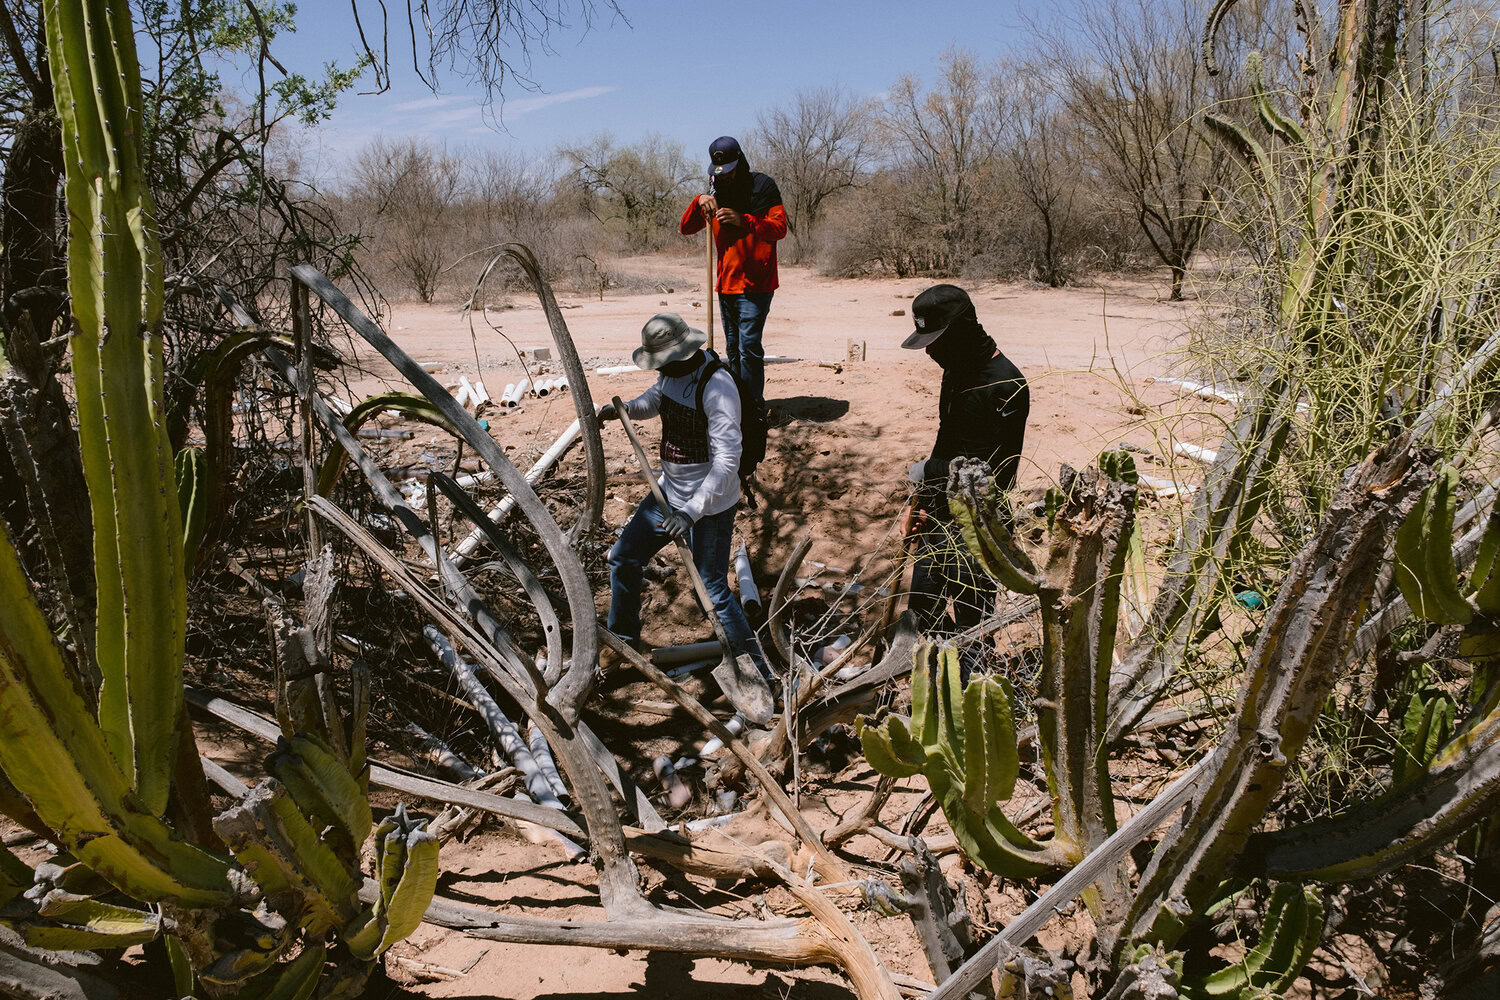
(748, 218)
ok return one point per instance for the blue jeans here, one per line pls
(710, 540)
(744, 319)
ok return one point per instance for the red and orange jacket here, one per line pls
(747, 255)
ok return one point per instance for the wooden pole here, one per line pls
(713, 276)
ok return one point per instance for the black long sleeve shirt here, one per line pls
(982, 411)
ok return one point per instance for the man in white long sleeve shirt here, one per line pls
(699, 405)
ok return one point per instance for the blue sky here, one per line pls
(690, 71)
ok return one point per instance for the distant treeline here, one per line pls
(1086, 153)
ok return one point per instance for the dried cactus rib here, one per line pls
(409, 404)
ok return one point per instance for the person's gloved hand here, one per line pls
(607, 412)
(677, 524)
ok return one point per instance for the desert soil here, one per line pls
(837, 469)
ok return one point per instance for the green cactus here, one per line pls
(1092, 523)
(1290, 933)
(406, 862)
(1426, 727)
(962, 739)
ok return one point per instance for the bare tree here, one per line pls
(815, 148)
(1040, 147)
(634, 190)
(487, 43)
(939, 136)
(407, 193)
(1136, 88)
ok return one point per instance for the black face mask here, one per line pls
(963, 343)
(733, 190)
(688, 365)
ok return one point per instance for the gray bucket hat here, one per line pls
(665, 338)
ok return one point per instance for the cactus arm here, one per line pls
(1460, 788)
(1275, 122)
(414, 891)
(1295, 664)
(114, 279)
(191, 475)
(974, 501)
(55, 754)
(924, 704)
(82, 924)
(1216, 15)
(1251, 153)
(889, 748)
(1289, 935)
(1485, 578)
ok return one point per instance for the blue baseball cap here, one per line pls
(724, 155)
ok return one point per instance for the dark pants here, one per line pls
(744, 319)
(710, 541)
(946, 571)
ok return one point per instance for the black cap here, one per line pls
(934, 311)
(724, 155)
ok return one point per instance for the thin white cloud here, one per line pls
(427, 103)
(516, 107)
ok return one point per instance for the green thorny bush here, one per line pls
(1366, 388)
(95, 745)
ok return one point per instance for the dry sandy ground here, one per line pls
(837, 469)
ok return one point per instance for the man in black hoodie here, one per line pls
(982, 412)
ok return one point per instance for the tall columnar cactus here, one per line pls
(93, 778)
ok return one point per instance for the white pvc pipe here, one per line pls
(479, 392)
(714, 745)
(749, 592)
(616, 369)
(1195, 452)
(688, 668)
(470, 544)
(515, 397)
(772, 359)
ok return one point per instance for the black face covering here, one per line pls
(963, 343)
(733, 190)
(688, 365)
